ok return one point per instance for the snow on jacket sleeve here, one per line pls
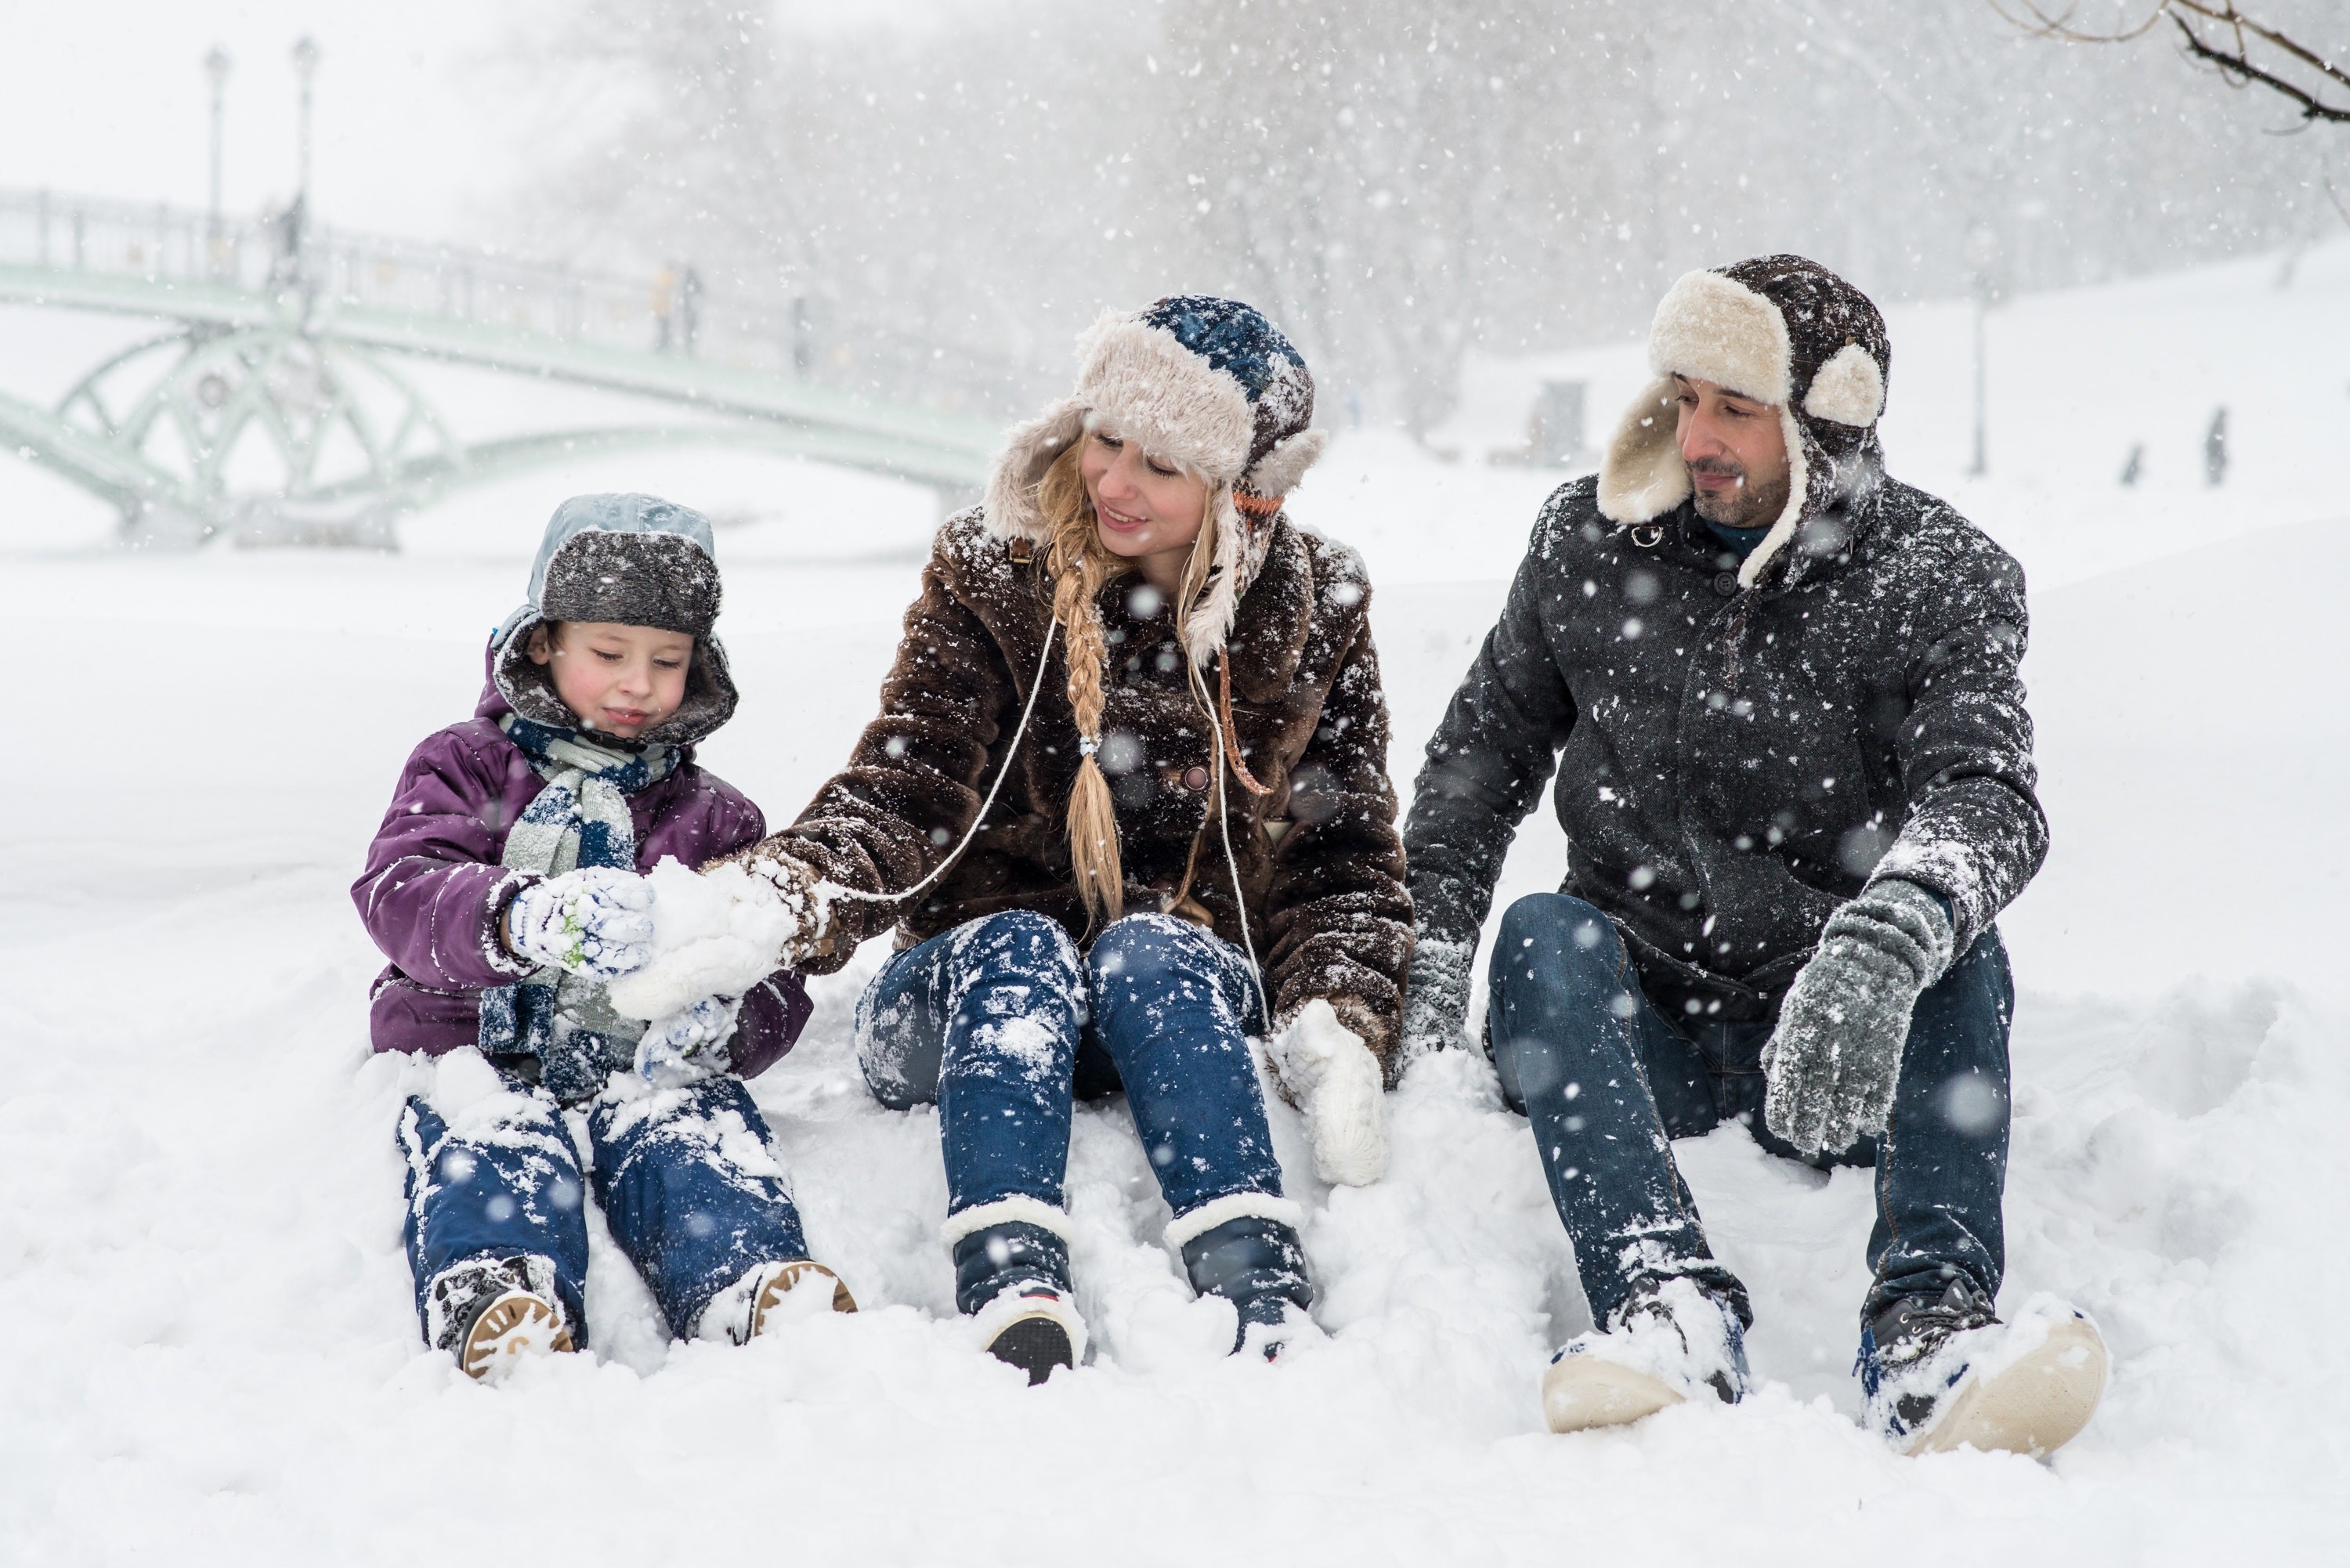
(912, 785)
(1486, 765)
(1976, 833)
(1340, 918)
(433, 891)
(775, 1009)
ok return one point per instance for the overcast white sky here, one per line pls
(422, 122)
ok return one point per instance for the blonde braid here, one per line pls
(1079, 567)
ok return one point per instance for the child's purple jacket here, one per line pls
(433, 891)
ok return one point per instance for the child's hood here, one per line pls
(633, 559)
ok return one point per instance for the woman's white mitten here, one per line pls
(1336, 1082)
(719, 932)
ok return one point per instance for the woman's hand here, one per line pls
(720, 932)
(1334, 1079)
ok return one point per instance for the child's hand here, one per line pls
(694, 1038)
(594, 923)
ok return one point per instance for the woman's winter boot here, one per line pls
(1258, 1265)
(489, 1312)
(1013, 1280)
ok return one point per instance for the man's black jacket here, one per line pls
(1733, 764)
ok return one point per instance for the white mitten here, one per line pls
(720, 932)
(685, 1042)
(1336, 1082)
(594, 922)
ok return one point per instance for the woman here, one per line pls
(1133, 748)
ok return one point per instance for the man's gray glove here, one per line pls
(1836, 1057)
(1435, 998)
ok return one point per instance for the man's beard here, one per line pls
(1745, 507)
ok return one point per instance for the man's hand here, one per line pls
(596, 922)
(1331, 1076)
(1834, 1059)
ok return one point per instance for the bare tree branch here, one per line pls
(2229, 51)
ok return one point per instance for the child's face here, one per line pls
(620, 679)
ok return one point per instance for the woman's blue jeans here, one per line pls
(1607, 1082)
(1003, 1023)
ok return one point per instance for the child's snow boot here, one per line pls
(1942, 1372)
(1013, 1280)
(489, 1312)
(1257, 1265)
(1670, 1340)
(745, 1309)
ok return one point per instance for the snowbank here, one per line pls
(206, 1322)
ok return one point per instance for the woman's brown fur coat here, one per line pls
(1321, 864)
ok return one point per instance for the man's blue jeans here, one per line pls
(1004, 1024)
(1607, 1082)
(684, 1178)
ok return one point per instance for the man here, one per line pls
(1795, 775)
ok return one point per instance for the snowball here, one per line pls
(1337, 1084)
(716, 933)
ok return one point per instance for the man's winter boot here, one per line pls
(489, 1312)
(1013, 1280)
(1257, 1265)
(1942, 1372)
(745, 1309)
(1670, 1341)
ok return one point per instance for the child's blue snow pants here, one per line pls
(692, 1196)
(1002, 1023)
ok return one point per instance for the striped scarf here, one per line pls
(580, 817)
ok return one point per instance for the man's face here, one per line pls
(1736, 453)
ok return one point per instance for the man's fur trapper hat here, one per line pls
(1209, 384)
(632, 560)
(1782, 331)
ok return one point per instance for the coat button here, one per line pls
(1726, 584)
(1195, 778)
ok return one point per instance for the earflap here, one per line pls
(1277, 473)
(1013, 512)
(1238, 556)
(1642, 476)
(1800, 469)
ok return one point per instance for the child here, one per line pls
(505, 886)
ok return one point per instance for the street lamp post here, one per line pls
(217, 73)
(1981, 253)
(305, 66)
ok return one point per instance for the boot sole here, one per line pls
(515, 1324)
(1037, 1346)
(786, 1280)
(1581, 1392)
(2033, 1407)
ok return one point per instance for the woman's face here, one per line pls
(1146, 511)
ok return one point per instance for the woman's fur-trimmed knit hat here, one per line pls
(632, 560)
(1779, 329)
(1206, 383)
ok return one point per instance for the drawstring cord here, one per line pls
(1002, 773)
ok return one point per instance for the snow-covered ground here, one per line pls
(205, 1330)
